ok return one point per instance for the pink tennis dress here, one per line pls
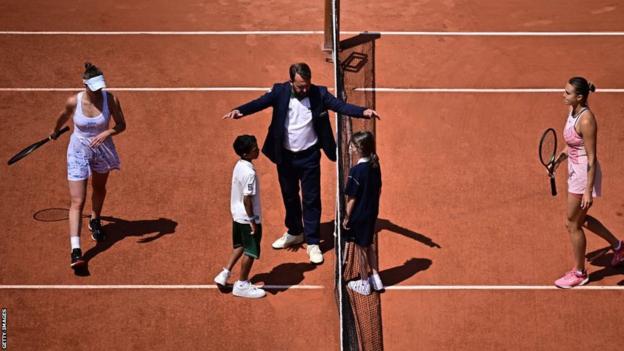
(82, 159)
(577, 160)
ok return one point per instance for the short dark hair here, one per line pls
(301, 69)
(244, 144)
(91, 71)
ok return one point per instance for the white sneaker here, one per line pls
(222, 277)
(375, 282)
(360, 286)
(246, 289)
(287, 240)
(316, 256)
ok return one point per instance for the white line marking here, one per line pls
(210, 32)
(264, 89)
(137, 287)
(154, 89)
(489, 34)
(319, 32)
(306, 287)
(499, 287)
(478, 90)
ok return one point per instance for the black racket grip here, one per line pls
(553, 186)
(58, 133)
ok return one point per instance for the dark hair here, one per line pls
(582, 86)
(244, 144)
(364, 142)
(301, 69)
(91, 71)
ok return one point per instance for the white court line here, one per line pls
(145, 287)
(319, 32)
(489, 34)
(304, 287)
(264, 89)
(241, 32)
(153, 89)
(479, 90)
(498, 287)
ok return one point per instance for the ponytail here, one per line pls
(374, 160)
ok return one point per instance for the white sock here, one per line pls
(226, 270)
(75, 242)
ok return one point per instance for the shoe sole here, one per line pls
(249, 297)
(286, 246)
(77, 264)
(573, 286)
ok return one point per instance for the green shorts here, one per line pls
(241, 236)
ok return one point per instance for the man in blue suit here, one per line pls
(299, 129)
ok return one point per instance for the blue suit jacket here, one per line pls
(320, 101)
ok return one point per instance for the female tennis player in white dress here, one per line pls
(91, 152)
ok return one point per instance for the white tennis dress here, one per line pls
(82, 159)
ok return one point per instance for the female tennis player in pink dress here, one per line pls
(584, 180)
(91, 152)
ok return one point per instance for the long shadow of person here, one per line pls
(118, 229)
(602, 258)
(395, 275)
(283, 276)
(395, 228)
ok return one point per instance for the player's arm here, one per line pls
(120, 122)
(118, 116)
(248, 202)
(349, 209)
(65, 114)
(563, 155)
(589, 129)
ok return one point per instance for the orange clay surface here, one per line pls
(460, 172)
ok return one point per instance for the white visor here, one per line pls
(95, 83)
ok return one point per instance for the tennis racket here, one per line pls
(547, 150)
(27, 151)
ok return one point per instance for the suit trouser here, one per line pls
(302, 168)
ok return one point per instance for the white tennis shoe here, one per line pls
(222, 277)
(316, 256)
(248, 290)
(287, 240)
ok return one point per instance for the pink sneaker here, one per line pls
(618, 255)
(572, 279)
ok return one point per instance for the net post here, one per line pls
(329, 27)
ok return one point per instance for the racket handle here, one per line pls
(58, 133)
(553, 186)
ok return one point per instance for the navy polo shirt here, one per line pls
(364, 183)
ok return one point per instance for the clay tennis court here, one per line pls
(460, 172)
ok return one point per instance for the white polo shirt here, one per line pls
(244, 183)
(300, 134)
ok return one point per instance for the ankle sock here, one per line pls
(75, 242)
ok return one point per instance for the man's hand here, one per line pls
(371, 114)
(254, 227)
(234, 114)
